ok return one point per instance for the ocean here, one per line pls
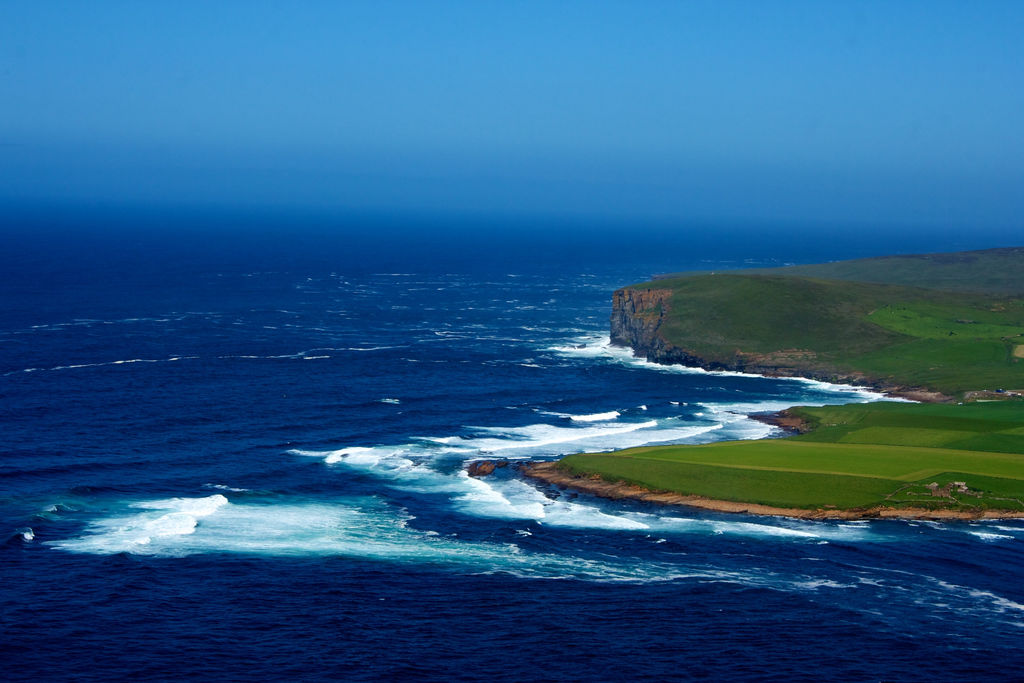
(240, 454)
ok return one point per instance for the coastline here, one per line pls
(915, 394)
(784, 420)
(690, 363)
(550, 473)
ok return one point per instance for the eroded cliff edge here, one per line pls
(637, 317)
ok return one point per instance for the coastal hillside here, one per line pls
(934, 326)
(991, 271)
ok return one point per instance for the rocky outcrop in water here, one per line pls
(481, 468)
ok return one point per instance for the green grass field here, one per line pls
(950, 341)
(858, 456)
(989, 271)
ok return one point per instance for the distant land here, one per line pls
(943, 329)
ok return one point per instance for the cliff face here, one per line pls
(637, 315)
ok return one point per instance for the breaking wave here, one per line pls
(600, 347)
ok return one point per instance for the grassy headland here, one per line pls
(950, 324)
(880, 334)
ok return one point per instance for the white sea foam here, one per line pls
(600, 347)
(393, 401)
(780, 529)
(27, 534)
(998, 602)
(595, 417)
(412, 466)
(160, 520)
(369, 528)
(537, 436)
(754, 529)
(127, 361)
(515, 499)
(815, 584)
(986, 536)
(223, 487)
(198, 507)
(363, 528)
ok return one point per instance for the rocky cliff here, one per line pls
(637, 316)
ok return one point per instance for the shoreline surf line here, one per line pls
(550, 473)
(603, 345)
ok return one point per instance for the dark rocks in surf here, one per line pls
(481, 468)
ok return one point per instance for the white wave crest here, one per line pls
(987, 536)
(538, 436)
(224, 487)
(364, 528)
(127, 361)
(161, 520)
(595, 417)
(425, 466)
(976, 596)
(369, 528)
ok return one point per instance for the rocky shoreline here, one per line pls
(551, 473)
(784, 420)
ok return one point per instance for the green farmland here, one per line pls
(859, 456)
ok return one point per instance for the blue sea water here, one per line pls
(241, 455)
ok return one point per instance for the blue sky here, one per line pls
(900, 113)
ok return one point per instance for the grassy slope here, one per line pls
(997, 427)
(948, 341)
(994, 271)
(860, 455)
(991, 271)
